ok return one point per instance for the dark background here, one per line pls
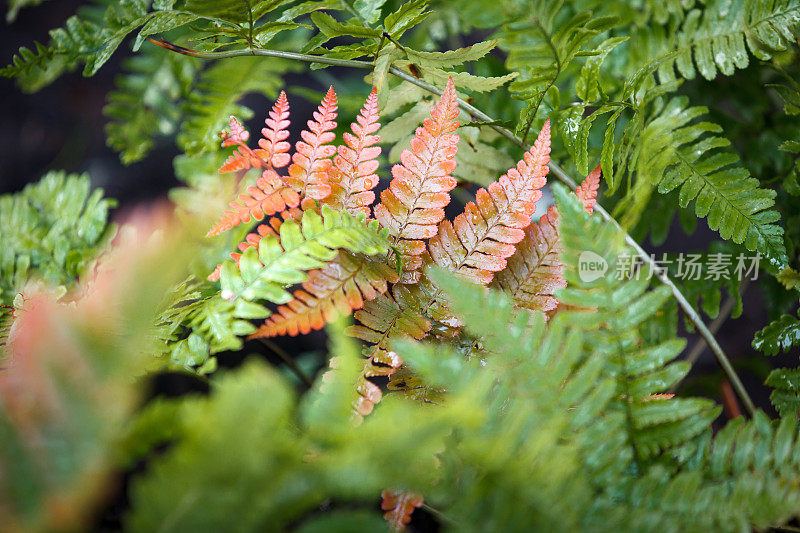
(61, 127)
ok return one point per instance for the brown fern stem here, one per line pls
(561, 175)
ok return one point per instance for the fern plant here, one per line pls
(499, 371)
(388, 301)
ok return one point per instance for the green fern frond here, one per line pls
(52, 230)
(197, 323)
(717, 39)
(215, 95)
(677, 152)
(542, 47)
(90, 39)
(613, 309)
(264, 273)
(745, 478)
(143, 104)
(779, 335)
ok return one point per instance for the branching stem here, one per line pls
(557, 171)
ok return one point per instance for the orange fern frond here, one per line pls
(275, 133)
(413, 205)
(535, 271)
(587, 191)
(308, 173)
(380, 363)
(269, 196)
(244, 157)
(353, 177)
(274, 148)
(399, 506)
(338, 288)
(479, 240)
(237, 134)
(380, 320)
(401, 311)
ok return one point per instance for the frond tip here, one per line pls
(308, 173)
(587, 191)
(413, 205)
(353, 177)
(273, 146)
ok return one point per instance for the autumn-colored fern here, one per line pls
(271, 194)
(493, 239)
(273, 146)
(480, 239)
(308, 173)
(413, 205)
(343, 285)
(425, 191)
(587, 191)
(535, 271)
(352, 176)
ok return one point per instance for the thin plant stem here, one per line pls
(558, 172)
(287, 359)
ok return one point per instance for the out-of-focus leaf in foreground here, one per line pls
(68, 376)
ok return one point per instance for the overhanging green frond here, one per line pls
(612, 309)
(144, 103)
(264, 273)
(679, 152)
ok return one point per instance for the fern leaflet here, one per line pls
(480, 240)
(413, 204)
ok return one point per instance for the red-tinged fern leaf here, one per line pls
(308, 173)
(381, 319)
(274, 144)
(587, 191)
(274, 148)
(237, 134)
(242, 158)
(535, 271)
(380, 363)
(413, 205)
(399, 506)
(481, 239)
(338, 288)
(269, 196)
(353, 177)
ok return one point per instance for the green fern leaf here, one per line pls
(91, 42)
(780, 334)
(215, 95)
(263, 274)
(617, 309)
(451, 58)
(52, 230)
(143, 104)
(785, 395)
(678, 152)
(718, 37)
